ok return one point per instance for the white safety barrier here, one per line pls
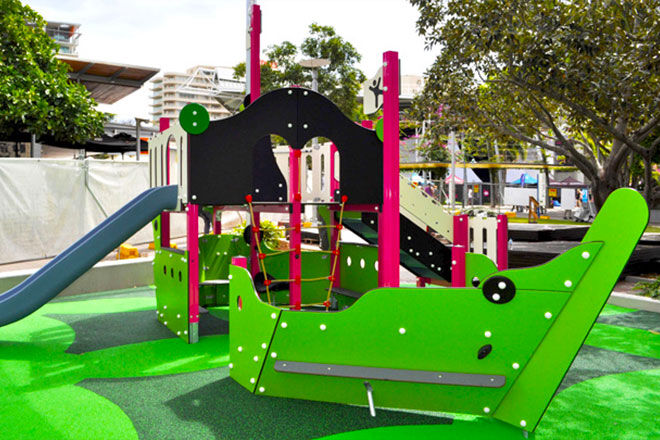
(483, 236)
(315, 171)
(174, 140)
(48, 204)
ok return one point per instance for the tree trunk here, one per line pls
(602, 187)
(648, 180)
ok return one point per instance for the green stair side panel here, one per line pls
(155, 225)
(251, 327)
(479, 267)
(358, 264)
(216, 252)
(438, 330)
(619, 225)
(171, 279)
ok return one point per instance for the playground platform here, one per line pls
(100, 366)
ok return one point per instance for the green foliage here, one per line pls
(271, 233)
(340, 81)
(649, 288)
(36, 96)
(579, 78)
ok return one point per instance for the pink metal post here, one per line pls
(239, 261)
(165, 216)
(192, 212)
(388, 222)
(217, 224)
(295, 196)
(460, 247)
(255, 51)
(502, 242)
(334, 232)
(255, 92)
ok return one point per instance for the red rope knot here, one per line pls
(331, 278)
(298, 249)
(340, 227)
(297, 227)
(297, 154)
(255, 230)
(262, 256)
(326, 304)
(297, 197)
(296, 280)
(297, 306)
(248, 198)
(267, 282)
(344, 198)
(335, 252)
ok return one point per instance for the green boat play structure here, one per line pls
(500, 349)
(333, 324)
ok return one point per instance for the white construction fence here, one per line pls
(47, 204)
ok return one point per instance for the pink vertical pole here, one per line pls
(217, 224)
(388, 222)
(457, 266)
(334, 232)
(165, 216)
(255, 91)
(255, 50)
(502, 242)
(239, 261)
(458, 250)
(295, 235)
(192, 212)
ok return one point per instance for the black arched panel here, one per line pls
(232, 159)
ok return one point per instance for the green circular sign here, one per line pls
(379, 129)
(194, 118)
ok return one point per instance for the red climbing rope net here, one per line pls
(297, 228)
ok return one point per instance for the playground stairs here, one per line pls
(421, 253)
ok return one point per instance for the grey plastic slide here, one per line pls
(47, 282)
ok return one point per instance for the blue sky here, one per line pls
(173, 35)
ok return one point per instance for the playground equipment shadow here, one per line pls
(101, 366)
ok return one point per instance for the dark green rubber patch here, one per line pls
(136, 292)
(592, 362)
(105, 330)
(208, 404)
(194, 118)
(640, 319)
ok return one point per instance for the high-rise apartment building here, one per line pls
(66, 35)
(210, 86)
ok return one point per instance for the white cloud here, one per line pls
(175, 35)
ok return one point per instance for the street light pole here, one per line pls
(314, 64)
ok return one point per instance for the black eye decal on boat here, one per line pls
(499, 290)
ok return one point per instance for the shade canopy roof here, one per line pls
(107, 82)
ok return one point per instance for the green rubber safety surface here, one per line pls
(137, 387)
(614, 407)
(194, 118)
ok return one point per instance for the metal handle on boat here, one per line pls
(370, 398)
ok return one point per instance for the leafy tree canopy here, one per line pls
(580, 78)
(340, 81)
(36, 96)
